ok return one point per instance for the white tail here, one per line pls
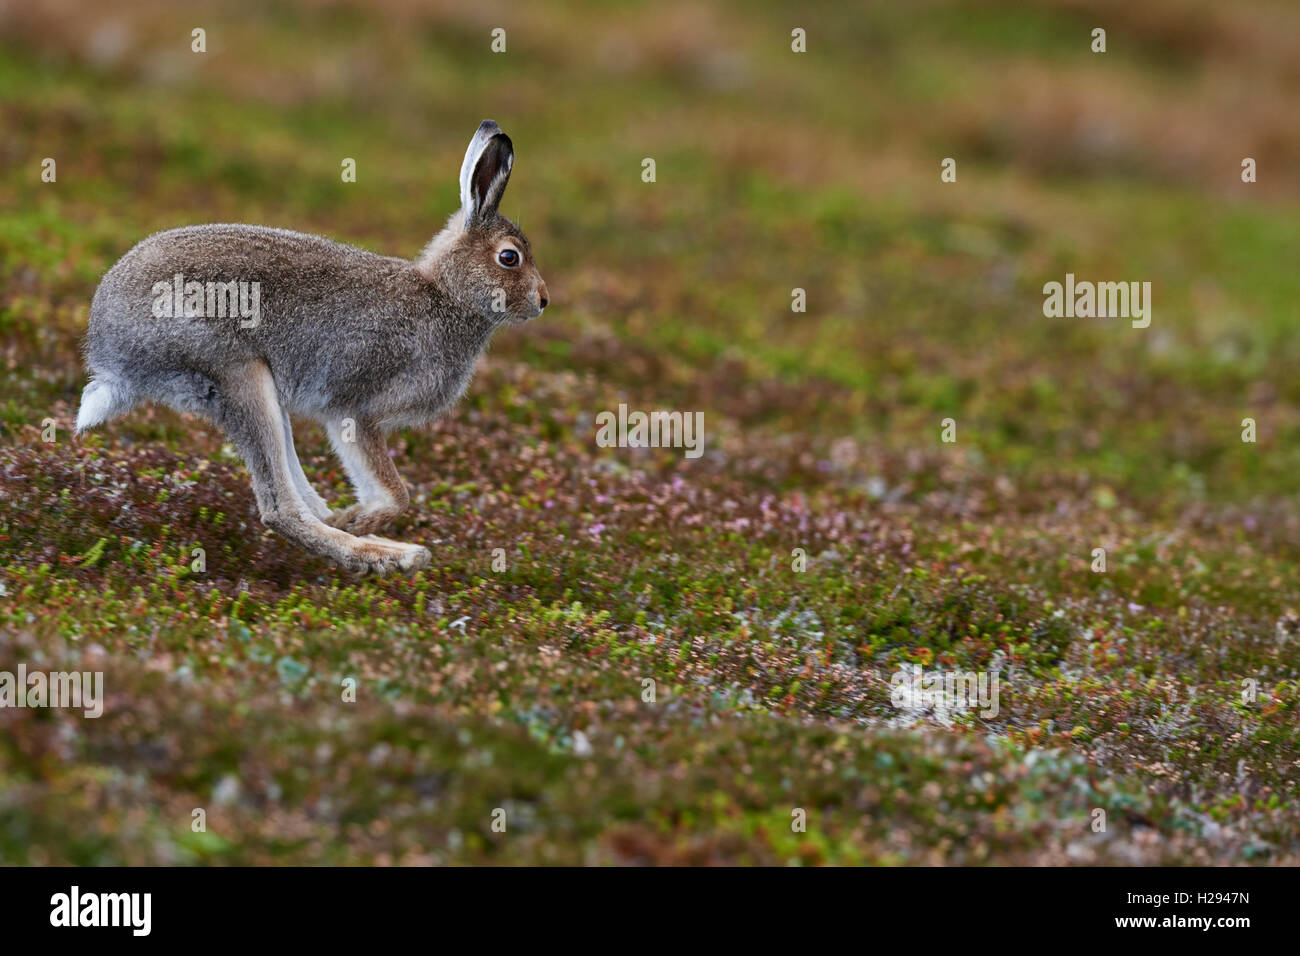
(101, 400)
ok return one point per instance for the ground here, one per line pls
(681, 660)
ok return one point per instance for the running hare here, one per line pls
(247, 325)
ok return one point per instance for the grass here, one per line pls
(655, 675)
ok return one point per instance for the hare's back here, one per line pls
(236, 284)
(235, 252)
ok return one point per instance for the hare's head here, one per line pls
(483, 258)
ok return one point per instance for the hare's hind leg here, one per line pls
(381, 493)
(249, 411)
(315, 503)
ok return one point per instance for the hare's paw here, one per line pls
(384, 556)
(343, 517)
(361, 519)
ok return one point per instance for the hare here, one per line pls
(247, 325)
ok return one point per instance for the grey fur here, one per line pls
(341, 334)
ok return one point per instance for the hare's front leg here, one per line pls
(249, 411)
(381, 493)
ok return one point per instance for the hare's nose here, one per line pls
(541, 295)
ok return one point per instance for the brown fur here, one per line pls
(344, 336)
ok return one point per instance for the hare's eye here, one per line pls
(508, 258)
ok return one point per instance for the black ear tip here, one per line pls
(488, 126)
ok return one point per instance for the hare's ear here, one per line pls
(485, 172)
